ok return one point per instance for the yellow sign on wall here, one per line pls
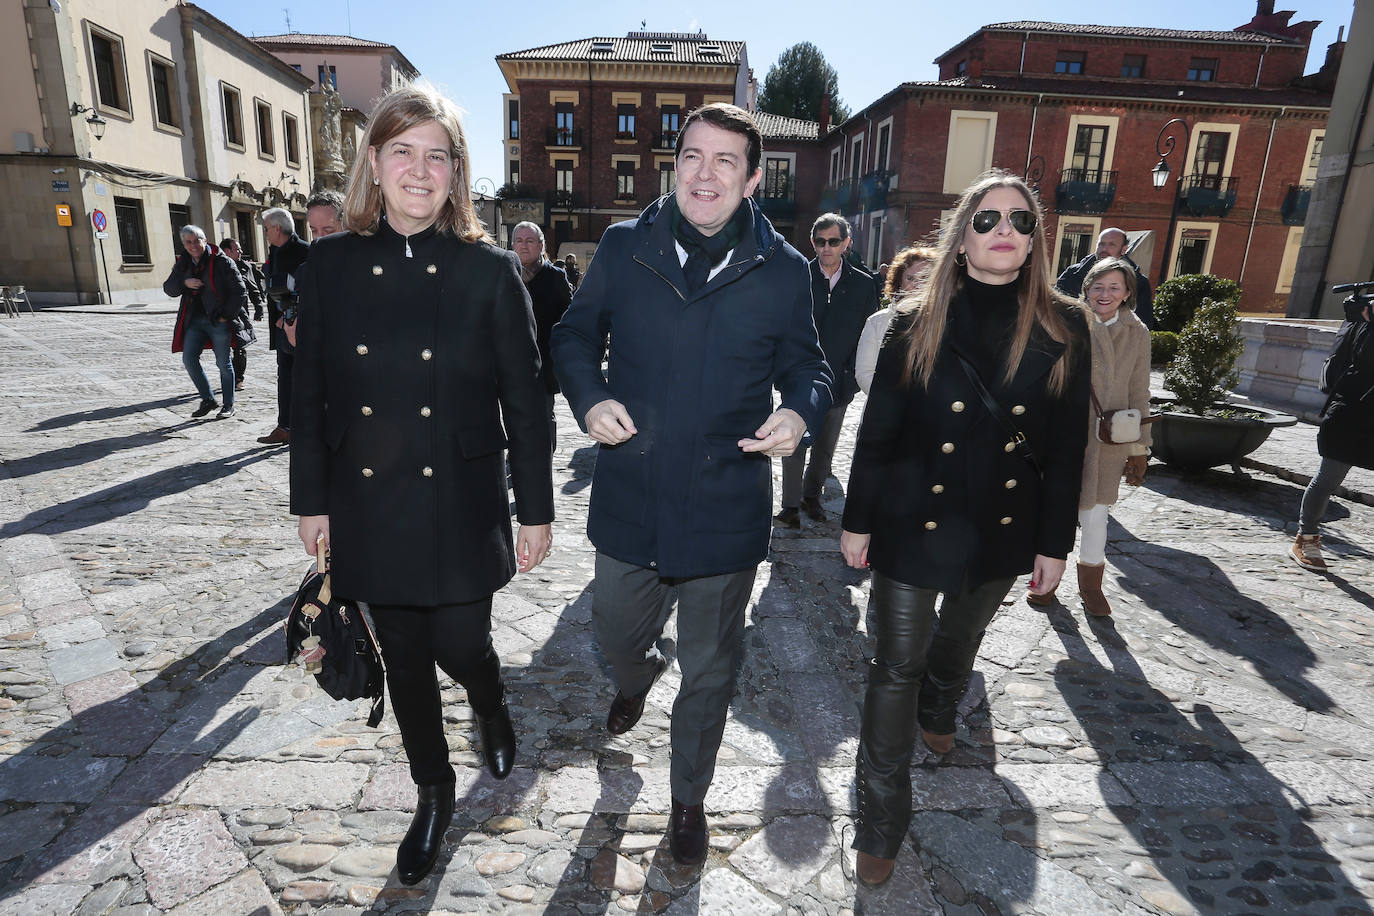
(64, 215)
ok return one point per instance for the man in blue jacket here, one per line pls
(706, 310)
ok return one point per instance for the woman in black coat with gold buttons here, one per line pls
(941, 500)
(416, 368)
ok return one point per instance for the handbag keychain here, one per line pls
(312, 653)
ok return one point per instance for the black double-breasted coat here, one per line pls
(948, 502)
(413, 375)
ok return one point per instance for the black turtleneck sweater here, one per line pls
(985, 322)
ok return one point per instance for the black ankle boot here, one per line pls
(420, 849)
(498, 741)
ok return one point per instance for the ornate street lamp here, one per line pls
(1164, 145)
(1035, 170)
(95, 120)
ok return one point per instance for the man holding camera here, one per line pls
(288, 252)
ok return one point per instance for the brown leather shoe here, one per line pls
(277, 436)
(871, 870)
(811, 505)
(940, 744)
(687, 833)
(625, 711)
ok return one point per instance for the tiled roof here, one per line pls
(1192, 92)
(306, 38)
(677, 50)
(777, 127)
(1130, 31)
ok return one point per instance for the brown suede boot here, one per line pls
(1090, 590)
(1044, 600)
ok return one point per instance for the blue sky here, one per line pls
(873, 46)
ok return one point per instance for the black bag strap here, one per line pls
(1001, 416)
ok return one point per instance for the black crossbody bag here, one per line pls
(1001, 416)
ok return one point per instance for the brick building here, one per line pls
(1078, 110)
(590, 124)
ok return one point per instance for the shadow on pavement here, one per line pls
(109, 413)
(93, 450)
(1227, 833)
(104, 763)
(132, 495)
(1196, 595)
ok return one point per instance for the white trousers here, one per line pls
(1092, 544)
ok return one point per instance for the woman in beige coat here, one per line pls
(1120, 379)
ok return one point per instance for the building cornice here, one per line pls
(516, 71)
(255, 51)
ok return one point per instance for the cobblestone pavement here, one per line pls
(1208, 749)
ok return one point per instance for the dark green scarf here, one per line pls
(705, 251)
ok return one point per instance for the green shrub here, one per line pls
(1163, 346)
(1176, 300)
(1204, 367)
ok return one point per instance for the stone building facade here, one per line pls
(196, 125)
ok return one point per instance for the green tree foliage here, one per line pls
(1163, 346)
(1204, 369)
(1176, 300)
(796, 83)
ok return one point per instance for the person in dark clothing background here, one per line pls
(283, 263)
(253, 284)
(842, 298)
(212, 295)
(550, 293)
(1111, 243)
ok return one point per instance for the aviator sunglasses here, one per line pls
(1023, 221)
(833, 243)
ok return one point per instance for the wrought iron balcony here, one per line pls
(1085, 191)
(873, 190)
(842, 198)
(665, 140)
(563, 136)
(624, 135)
(778, 201)
(564, 200)
(1295, 204)
(1207, 195)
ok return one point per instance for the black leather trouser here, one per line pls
(918, 673)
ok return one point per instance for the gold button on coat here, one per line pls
(362, 349)
(427, 471)
(376, 270)
(1018, 410)
(1010, 484)
(367, 411)
(367, 472)
(432, 269)
(1006, 519)
(426, 354)
(424, 411)
(938, 488)
(947, 447)
(957, 407)
(1010, 446)
(931, 526)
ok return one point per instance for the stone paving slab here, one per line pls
(1207, 749)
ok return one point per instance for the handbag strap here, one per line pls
(1097, 405)
(1004, 420)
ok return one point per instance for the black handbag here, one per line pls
(333, 640)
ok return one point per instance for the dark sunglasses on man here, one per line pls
(984, 221)
(822, 243)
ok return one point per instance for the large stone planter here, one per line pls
(1195, 443)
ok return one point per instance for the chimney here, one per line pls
(825, 116)
(1264, 8)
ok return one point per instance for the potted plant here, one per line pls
(1199, 428)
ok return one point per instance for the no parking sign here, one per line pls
(98, 220)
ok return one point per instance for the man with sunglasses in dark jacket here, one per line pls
(842, 298)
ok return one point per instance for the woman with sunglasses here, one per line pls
(966, 475)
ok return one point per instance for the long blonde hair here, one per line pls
(394, 114)
(1039, 304)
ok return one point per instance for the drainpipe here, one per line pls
(1030, 141)
(1259, 195)
(1263, 51)
(1021, 67)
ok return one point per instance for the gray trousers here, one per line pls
(630, 607)
(801, 480)
(1330, 474)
